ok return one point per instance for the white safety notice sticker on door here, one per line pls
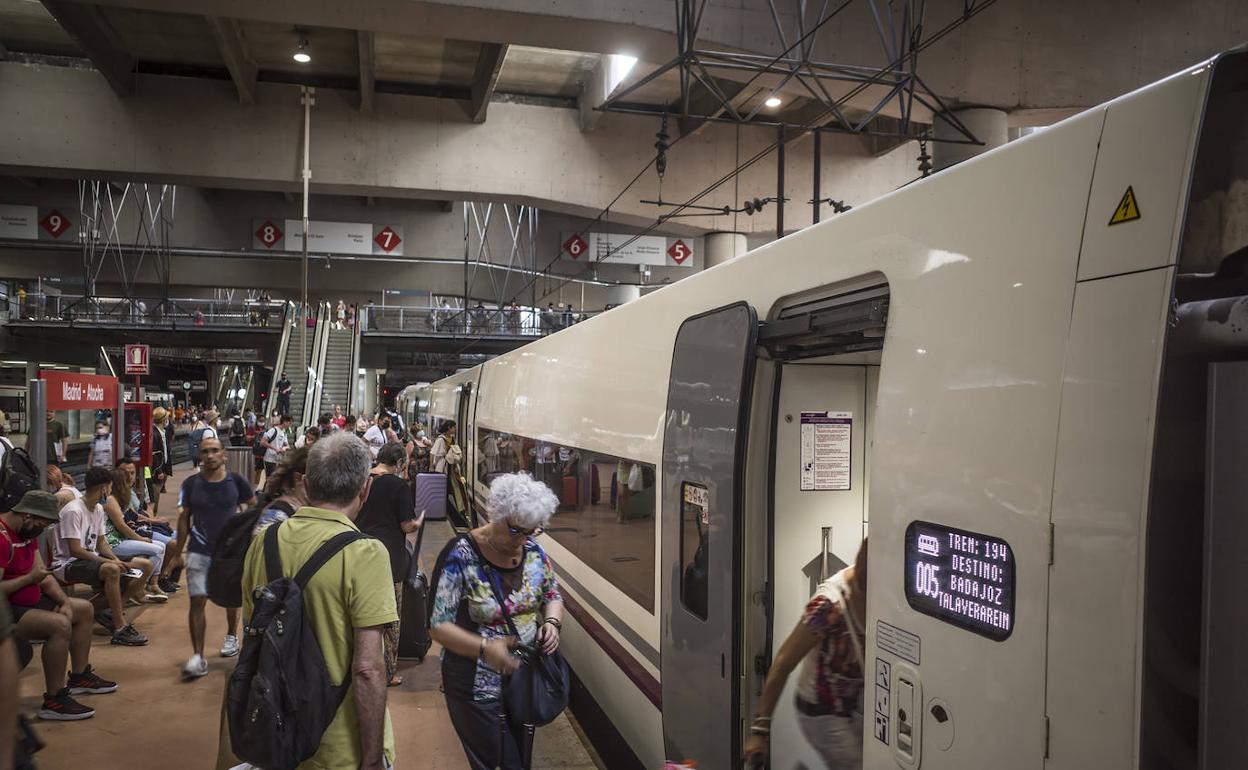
(826, 439)
(898, 641)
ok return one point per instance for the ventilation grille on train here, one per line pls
(847, 323)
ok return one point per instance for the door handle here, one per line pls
(825, 556)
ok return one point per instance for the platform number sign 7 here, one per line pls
(387, 239)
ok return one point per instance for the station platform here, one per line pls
(155, 719)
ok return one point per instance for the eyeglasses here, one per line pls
(526, 532)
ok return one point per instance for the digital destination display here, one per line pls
(961, 577)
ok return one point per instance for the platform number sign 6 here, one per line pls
(575, 246)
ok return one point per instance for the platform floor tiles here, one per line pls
(155, 720)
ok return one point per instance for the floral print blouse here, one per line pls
(463, 595)
(831, 680)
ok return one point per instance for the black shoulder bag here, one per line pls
(538, 689)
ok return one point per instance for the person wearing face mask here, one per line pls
(43, 611)
(498, 559)
(100, 453)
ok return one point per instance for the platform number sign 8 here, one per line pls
(269, 234)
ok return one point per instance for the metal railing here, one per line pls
(506, 322)
(183, 311)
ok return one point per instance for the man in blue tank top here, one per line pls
(205, 502)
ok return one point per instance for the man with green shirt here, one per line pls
(348, 601)
(56, 439)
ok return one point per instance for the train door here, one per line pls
(703, 453)
(826, 346)
(819, 507)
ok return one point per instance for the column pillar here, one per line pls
(987, 124)
(721, 247)
(618, 295)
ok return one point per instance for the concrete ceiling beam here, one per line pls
(366, 48)
(238, 60)
(485, 80)
(641, 28)
(423, 148)
(86, 24)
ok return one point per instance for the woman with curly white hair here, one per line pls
(500, 558)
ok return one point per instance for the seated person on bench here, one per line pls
(81, 554)
(43, 611)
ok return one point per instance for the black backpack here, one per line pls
(258, 449)
(18, 475)
(225, 571)
(279, 699)
(237, 427)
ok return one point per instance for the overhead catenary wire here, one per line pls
(815, 124)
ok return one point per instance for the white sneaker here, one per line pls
(195, 667)
(229, 648)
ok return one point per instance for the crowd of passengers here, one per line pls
(72, 558)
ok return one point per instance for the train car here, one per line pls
(1024, 374)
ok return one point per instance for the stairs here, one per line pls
(336, 376)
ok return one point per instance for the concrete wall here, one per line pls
(222, 220)
(65, 122)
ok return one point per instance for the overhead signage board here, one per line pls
(32, 223)
(137, 359)
(626, 249)
(961, 577)
(333, 237)
(188, 386)
(73, 390)
(20, 222)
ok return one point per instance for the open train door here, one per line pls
(704, 442)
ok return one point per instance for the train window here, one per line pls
(695, 518)
(606, 504)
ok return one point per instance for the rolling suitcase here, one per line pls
(414, 641)
(431, 495)
(571, 492)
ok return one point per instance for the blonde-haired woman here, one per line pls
(500, 558)
(162, 458)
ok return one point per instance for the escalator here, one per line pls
(292, 362)
(335, 375)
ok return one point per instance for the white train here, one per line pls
(1022, 373)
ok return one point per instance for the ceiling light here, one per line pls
(301, 55)
(772, 101)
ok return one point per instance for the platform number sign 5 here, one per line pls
(269, 234)
(679, 252)
(575, 246)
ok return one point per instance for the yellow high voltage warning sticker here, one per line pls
(1128, 210)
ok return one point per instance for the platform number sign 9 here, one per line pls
(54, 223)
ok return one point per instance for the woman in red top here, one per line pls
(828, 642)
(338, 419)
